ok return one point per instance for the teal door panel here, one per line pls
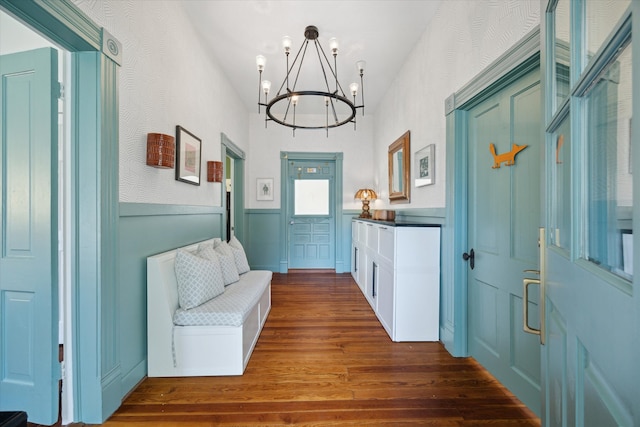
(29, 369)
(504, 217)
(311, 212)
(592, 308)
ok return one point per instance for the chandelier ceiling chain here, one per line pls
(281, 108)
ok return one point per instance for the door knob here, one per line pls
(471, 257)
(291, 222)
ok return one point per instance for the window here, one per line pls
(609, 181)
(311, 197)
(561, 187)
(601, 18)
(589, 133)
(562, 46)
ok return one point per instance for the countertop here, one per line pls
(395, 223)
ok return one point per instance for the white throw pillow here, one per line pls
(227, 264)
(240, 256)
(199, 279)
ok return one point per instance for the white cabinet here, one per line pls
(358, 254)
(397, 268)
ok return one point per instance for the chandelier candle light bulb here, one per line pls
(333, 45)
(361, 65)
(261, 61)
(287, 42)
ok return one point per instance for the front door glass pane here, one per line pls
(609, 224)
(561, 220)
(561, 50)
(311, 197)
(602, 17)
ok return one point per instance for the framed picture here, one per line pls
(188, 149)
(425, 166)
(264, 189)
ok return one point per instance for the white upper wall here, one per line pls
(463, 38)
(266, 145)
(166, 79)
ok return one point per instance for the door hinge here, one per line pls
(60, 90)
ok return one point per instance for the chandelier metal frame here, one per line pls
(291, 95)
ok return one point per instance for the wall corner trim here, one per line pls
(449, 104)
(111, 47)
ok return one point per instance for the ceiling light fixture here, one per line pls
(281, 108)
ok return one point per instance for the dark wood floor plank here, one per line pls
(323, 359)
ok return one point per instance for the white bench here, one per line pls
(176, 351)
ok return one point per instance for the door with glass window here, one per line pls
(592, 316)
(311, 213)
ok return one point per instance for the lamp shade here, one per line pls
(214, 171)
(366, 194)
(161, 150)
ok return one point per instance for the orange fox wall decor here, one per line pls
(508, 158)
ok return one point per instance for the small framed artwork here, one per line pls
(425, 166)
(264, 189)
(188, 149)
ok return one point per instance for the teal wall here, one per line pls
(262, 239)
(147, 229)
(264, 234)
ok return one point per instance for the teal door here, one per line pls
(591, 375)
(504, 216)
(311, 213)
(29, 368)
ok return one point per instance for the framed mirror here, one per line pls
(400, 169)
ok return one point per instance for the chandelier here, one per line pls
(338, 108)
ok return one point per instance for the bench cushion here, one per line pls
(232, 307)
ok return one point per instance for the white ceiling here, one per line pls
(381, 32)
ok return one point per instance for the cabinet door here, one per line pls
(354, 262)
(354, 232)
(362, 268)
(370, 286)
(386, 241)
(372, 237)
(385, 298)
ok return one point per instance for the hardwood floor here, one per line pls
(323, 359)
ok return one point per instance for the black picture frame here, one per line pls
(188, 156)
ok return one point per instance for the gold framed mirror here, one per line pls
(400, 169)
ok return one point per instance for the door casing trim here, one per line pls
(285, 156)
(229, 149)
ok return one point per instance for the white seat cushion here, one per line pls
(232, 307)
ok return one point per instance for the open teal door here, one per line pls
(592, 300)
(29, 367)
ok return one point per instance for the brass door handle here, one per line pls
(525, 306)
(540, 281)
